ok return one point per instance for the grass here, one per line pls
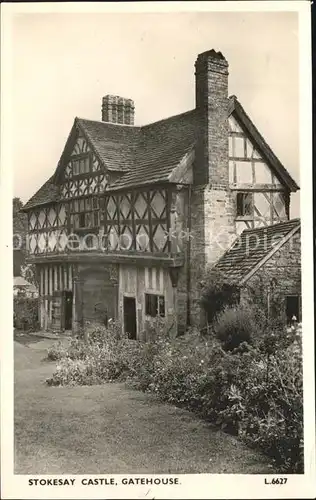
(111, 429)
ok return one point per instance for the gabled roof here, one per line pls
(162, 146)
(253, 247)
(253, 133)
(149, 154)
(114, 144)
(48, 193)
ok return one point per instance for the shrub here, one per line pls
(106, 355)
(56, 351)
(235, 325)
(251, 391)
(217, 292)
(25, 313)
(265, 403)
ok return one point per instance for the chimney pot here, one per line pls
(117, 109)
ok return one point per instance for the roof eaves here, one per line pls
(89, 139)
(136, 184)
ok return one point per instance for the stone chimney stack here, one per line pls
(116, 109)
(211, 90)
(212, 201)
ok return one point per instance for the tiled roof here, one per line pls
(49, 192)
(161, 147)
(148, 154)
(114, 144)
(251, 247)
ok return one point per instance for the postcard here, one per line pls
(157, 250)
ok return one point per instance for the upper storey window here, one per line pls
(82, 160)
(244, 204)
(81, 165)
(84, 213)
(83, 174)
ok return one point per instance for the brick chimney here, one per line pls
(211, 91)
(116, 109)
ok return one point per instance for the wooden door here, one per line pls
(56, 311)
(130, 325)
(67, 300)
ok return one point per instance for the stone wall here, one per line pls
(212, 203)
(278, 277)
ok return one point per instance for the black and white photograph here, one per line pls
(158, 251)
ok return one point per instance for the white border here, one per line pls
(192, 486)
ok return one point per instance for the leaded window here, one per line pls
(84, 213)
(154, 305)
(244, 204)
(81, 165)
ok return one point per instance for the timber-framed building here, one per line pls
(132, 215)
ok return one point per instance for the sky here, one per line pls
(62, 65)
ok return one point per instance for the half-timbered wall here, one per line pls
(260, 197)
(83, 174)
(137, 221)
(146, 221)
(137, 282)
(82, 181)
(47, 228)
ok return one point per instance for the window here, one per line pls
(292, 304)
(90, 242)
(81, 165)
(85, 213)
(82, 220)
(154, 305)
(244, 204)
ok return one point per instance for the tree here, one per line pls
(217, 292)
(19, 236)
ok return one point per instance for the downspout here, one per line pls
(189, 258)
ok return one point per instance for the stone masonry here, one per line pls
(212, 202)
(278, 277)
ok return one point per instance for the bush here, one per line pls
(106, 355)
(56, 351)
(265, 403)
(236, 325)
(25, 313)
(217, 292)
(250, 391)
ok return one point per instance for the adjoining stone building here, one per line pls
(265, 263)
(132, 216)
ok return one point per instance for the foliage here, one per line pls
(20, 230)
(252, 391)
(237, 324)
(25, 313)
(217, 292)
(104, 354)
(56, 351)
(29, 274)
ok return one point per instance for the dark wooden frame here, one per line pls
(149, 220)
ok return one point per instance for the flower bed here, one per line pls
(253, 391)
